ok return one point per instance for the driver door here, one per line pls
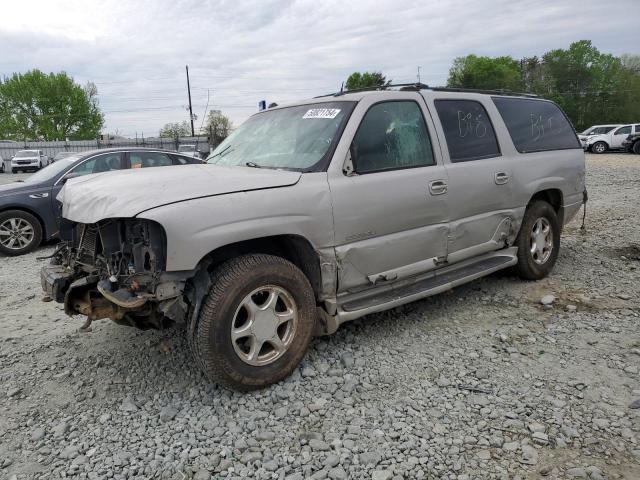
(619, 135)
(100, 163)
(390, 216)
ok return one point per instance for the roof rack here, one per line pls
(403, 87)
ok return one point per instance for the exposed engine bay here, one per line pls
(115, 269)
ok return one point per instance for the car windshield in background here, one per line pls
(292, 138)
(53, 169)
(187, 148)
(26, 154)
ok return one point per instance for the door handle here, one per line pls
(501, 178)
(437, 187)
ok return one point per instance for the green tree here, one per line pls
(178, 129)
(39, 106)
(592, 87)
(359, 80)
(218, 127)
(499, 73)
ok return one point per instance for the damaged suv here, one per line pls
(320, 212)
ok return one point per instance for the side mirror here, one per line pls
(66, 177)
(351, 162)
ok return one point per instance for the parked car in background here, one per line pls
(190, 150)
(29, 211)
(320, 212)
(632, 143)
(61, 155)
(29, 160)
(607, 137)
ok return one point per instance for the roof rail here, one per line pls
(421, 86)
(480, 90)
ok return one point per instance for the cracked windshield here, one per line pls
(293, 138)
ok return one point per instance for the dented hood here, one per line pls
(127, 193)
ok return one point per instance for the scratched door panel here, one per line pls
(480, 177)
(387, 220)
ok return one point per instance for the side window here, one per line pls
(623, 130)
(101, 163)
(536, 125)
(392, 135)
(467, 129)
(149, 159)
(637, 128)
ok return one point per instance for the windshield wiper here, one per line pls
(252, 164)
(220, 152)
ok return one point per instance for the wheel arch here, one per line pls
(294, 248)
(554, 197)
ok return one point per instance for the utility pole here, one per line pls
(193, 134)
(418, 73)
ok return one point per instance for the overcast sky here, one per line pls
(280, 50)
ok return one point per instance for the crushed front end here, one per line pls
(115, 269)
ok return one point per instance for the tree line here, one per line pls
(591, 87)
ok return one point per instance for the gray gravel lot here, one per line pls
(482, 382)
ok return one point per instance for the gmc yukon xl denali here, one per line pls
(320, 212)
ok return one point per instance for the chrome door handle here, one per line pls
(501, 178)
(437, 187)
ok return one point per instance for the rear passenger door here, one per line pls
(480, 177)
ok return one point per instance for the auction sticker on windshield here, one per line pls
(322, 113)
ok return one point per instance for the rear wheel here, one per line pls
(256, 322)
(20, 232)
(538, 241)
(636, 147)
(599, 147)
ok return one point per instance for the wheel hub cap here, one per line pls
(541, 241)
(264, 325)
(16, 233)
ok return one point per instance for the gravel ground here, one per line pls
(483, 382)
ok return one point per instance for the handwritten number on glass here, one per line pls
(470, 125)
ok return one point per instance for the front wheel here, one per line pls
(599, 147)
(538, 241)
(256, 322)
(636, 147)
(20, 232)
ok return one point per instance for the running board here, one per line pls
(382, 298)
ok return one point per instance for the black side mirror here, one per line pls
(351, 164)
(66, 177)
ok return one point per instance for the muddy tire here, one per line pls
(20, 232)
(256, 322)
(636, 148)
(538, 241)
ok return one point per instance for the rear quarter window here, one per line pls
(536, 125)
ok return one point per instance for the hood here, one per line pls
(129, 192)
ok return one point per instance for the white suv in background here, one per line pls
(29, 160)
(601, 138)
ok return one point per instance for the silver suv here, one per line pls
(320, 212)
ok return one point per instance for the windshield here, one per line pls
(292, 138)
(26, 153)
(53, 169)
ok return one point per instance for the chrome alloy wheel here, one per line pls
(16, 233)
(541, 241)
(264, 325)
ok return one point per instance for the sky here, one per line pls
(240, 52)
